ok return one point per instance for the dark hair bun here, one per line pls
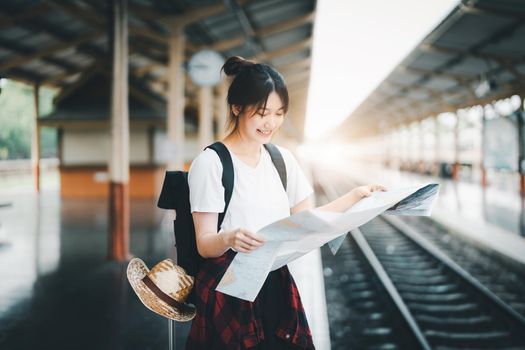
(235, 64)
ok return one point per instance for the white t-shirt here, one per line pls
(258, 197)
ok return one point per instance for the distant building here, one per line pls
(82, 116)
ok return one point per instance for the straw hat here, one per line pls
(164, 289)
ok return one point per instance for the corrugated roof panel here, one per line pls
(472, 66)
(504, 77)
(386, 89)
(453, 98)
(199, 35)
(290, 58)
(50, 71)
(224, 26)
(39, 40)
(283, 39)
(101, 43)
(417, 94)
(265, 13)
(65, 53)
(5, 54)
(439, 83)
(80, 59)
(514, 44)
(70, 26)
(72, 78)
(471, 29)
(56, 17)
(159, 72)
(138, 60)
(17, 6)
(14, 33)
(42, 68)
(510, 6)
(241, 50)
(521, 68)
(136, 22)
(71, 55)
(427, 60)
(403, 77)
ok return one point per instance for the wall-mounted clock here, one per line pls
(204, 67)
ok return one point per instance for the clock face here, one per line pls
(205, 66)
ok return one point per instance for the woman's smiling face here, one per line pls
(262, 124)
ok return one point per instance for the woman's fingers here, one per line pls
(377, 187)
(245, 246)
(246, 241)
(365, 191)
(253, 238)
(242, 250)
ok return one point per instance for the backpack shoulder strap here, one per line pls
(174, 188)
(227, 175)
(278, 162)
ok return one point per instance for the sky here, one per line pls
(356, 45)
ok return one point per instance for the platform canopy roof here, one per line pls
(57, 42)
(474, 56)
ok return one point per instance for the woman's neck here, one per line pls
(242, 146)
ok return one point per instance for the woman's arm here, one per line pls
(211, 244)
(305, 204)
(342, 203)
(347, 200)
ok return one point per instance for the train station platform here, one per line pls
(59, 291)
(492, 218)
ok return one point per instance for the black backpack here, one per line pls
(175, 194)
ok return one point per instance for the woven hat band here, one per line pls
(163, 296)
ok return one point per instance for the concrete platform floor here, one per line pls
(58, 290)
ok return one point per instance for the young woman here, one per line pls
(258, 101)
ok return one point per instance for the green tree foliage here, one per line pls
(17, 117)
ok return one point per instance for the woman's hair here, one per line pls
(252, 83)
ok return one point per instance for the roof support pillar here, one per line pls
(119, 136)
(205, 116)
(176, 100)
(455, 166)
(484, 182)
(387, 149)
(35, 140)
(423, 146)
(437, 147)
(521, 155)
(405, 142)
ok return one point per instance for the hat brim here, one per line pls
(136, 271)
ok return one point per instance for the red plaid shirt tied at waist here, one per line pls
(224, 322)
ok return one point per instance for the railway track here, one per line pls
(504, 280)
(417, 292)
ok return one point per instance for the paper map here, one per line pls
(298, 234)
